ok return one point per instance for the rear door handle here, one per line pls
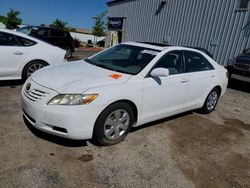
(184, 80)
(18, 53)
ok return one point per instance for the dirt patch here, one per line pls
(205, 151)
(86, 157)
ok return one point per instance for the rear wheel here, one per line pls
(211, 101)
(31, 67)
(113, 124)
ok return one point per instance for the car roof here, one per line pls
(41, 27)
(162, 47)
(145, 45)
(19, 34)
(25, 36)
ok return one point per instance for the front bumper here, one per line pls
(73, 122)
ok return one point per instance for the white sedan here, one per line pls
(125, 86)
(22, 55)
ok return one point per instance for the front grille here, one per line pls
(35, 94)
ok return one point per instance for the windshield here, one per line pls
(124, 58)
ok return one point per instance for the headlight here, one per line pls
(72, 99)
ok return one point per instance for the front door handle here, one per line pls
(184, 80)
(18, 53)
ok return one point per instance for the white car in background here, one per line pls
(22, 55)
(130, 84)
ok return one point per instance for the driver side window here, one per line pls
(173, 61)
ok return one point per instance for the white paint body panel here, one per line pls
(14, 58)
(154, 98)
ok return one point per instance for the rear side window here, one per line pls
(196, 62)
(26, 42)
(7, 39)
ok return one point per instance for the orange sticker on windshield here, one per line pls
(116, 76)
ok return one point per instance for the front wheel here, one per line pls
(113, 124)
(211, 101)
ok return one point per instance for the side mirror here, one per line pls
(159, 72)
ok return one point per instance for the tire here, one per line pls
(109, 129)
(210, 102)
(31, 67)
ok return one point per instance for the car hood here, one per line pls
(77, 77)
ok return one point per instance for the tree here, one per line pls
(99, 27)
(59, 24)
(2, 19)
(12, 21)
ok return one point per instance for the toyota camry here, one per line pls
(125, 86)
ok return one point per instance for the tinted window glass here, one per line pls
(57, 33)
(173, 61)
(124, 58)
(26, 42)
(42, 32)
(8, 40)
(196, 62)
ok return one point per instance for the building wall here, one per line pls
(215, 25)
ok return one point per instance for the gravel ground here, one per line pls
(188, 150)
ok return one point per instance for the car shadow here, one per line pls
(153, 123)
(11, 83)
(55, 139)
(239, 85)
